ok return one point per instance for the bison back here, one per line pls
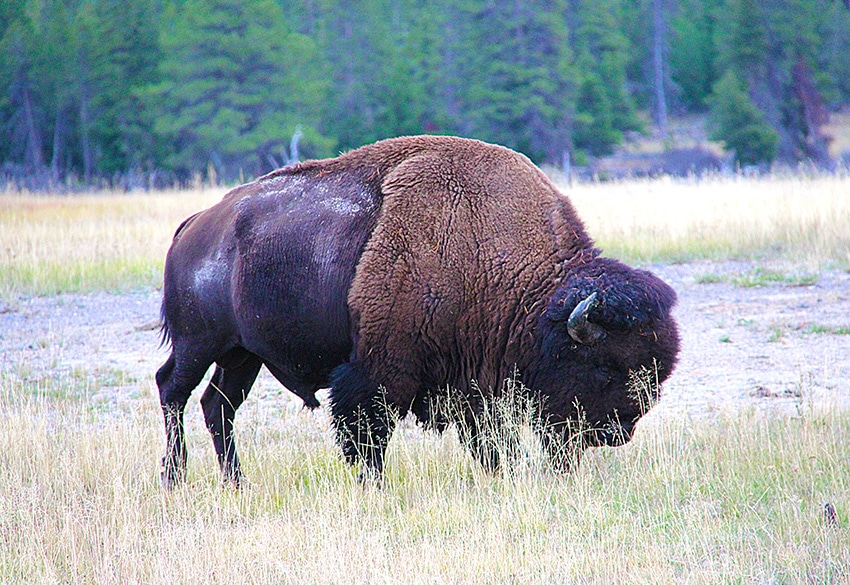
(268, 269)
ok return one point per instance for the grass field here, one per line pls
(76, 243)
(734, 499)
(118, 241)
(797, 220)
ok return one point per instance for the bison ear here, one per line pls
(579, 327)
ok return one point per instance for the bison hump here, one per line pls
(467, 240)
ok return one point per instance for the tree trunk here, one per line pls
(566, 164)
(85, 141)
(58, 130)
(658, 50)
(34, 157)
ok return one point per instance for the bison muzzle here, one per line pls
(400, 273)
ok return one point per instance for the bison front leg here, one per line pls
(223, 396)
(563, 444)
(482, 440)
(362, 418)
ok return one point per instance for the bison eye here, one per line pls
(604, 374)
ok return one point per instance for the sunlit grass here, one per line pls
(104, 241)
(734, 500)
(800, 220)
(112, 241)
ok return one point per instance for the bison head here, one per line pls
(606, 340)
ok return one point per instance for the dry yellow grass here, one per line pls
(107, 241)
(803, 220)
(734, 501)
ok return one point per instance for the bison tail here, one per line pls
(164, 333)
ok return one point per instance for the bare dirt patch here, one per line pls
(779, 347)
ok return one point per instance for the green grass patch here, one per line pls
(776, 334)
(711, 278)
(758, 277)
(763, 277)
(651, 247)
(76, 385)
(827, 329)
(50, 278)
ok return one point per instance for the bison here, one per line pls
(397, 274)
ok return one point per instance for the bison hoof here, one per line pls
(171, 476)
(370, 476)
(169, 481)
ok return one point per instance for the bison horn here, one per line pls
(580, 329)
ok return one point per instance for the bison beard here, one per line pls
(407, 271)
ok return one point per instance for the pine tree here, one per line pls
(53, 71)
(236, 83)
(514, 79)
(834, 64)
(121, 41)
(604, 108)
(692, 51)
(739, 124)
(380, 57)
(20, 115)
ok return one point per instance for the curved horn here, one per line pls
(580, 329)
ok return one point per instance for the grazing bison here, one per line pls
(398, 273)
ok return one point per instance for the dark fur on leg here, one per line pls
(227, 389)
(174, 389)
(362, 418)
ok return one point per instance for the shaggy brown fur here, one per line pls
(471, 240)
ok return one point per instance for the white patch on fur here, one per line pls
(324, 254)
(212, 271)
(341, 206)
(242, 203)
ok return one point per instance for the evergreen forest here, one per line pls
(144, 93)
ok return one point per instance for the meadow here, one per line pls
(117, 241)
(746, 497)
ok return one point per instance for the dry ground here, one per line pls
(779, 346)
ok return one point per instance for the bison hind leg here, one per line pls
(225, 393)
(176, 379)
(362, 418)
